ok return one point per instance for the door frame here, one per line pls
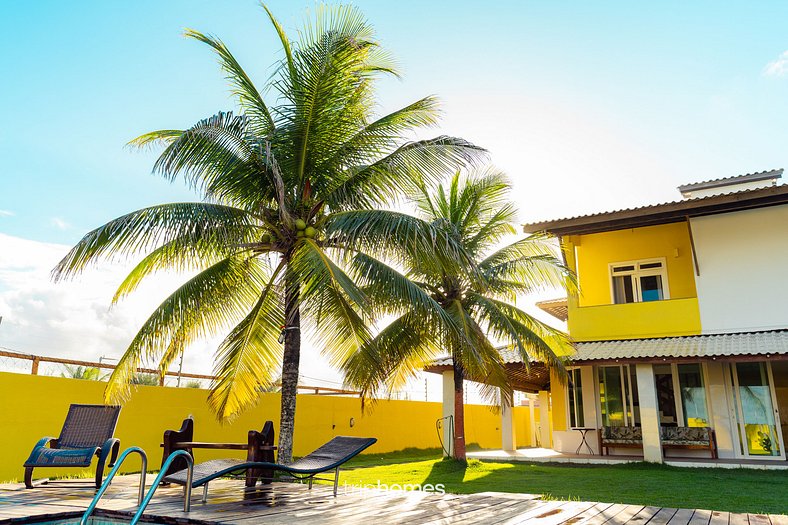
(737, 415)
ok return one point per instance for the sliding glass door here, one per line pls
(757, 417)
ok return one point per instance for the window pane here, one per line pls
(576, 399)
(651, 288)
(618, 269)
(611, 396)
(622, 289)
(693, 396)
(647, 266)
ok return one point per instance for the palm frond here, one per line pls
(211, 300)
(243, 88)
(338, 307)
(403, 172)
(145, 229)
(249, 357)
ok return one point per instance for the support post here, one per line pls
(34, 368)
(544, 419)
(532, 414)
(649, 413)
(448, 410)
(508, 433)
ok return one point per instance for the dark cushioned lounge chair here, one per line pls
(328, 457)
(87, 432)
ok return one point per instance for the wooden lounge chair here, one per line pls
(328, 457)
(87, 432)
(259, 448)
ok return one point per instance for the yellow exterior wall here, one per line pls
(673, 317)
(592, 316)
(32, 407)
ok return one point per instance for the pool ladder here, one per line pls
(144, 499)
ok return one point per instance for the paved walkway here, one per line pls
(288, 503)
(547, 455)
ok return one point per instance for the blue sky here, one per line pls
(588, 106)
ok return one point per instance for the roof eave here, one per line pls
(663, 213)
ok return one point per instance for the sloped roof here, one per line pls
(558, 308)
(532, 378)
(727, 181)
(664, 213)
(693, 346)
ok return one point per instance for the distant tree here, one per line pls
(83, 372)
(193, 384)
(144, 379)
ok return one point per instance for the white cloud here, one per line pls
(59, 223)
(6, 213)
(778, 67)
(73, 319)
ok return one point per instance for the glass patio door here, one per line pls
(758, 419)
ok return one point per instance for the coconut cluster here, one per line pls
(304, 230)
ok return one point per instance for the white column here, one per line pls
(649, 413)
(448, 410)
(544, 418)
(508, 434)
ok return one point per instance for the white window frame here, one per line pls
(625, 373)
(572, 399)
(680, 417)
(637, 273)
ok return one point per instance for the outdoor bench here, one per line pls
(702, 438)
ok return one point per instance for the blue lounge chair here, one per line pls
(87, 432)
(328, 457)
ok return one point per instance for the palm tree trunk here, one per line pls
(290, 363)
(459, 413)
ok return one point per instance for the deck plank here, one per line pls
(720, 518)
(736, 518)
(288, 503)
(700, 517)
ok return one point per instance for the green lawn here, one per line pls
(754, 491)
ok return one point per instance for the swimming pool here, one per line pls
(101, 517)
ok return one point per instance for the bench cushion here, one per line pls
(622, 435)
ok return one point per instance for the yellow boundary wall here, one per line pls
(32, 407)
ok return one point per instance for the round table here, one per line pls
(583, 439)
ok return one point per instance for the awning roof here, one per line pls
(763, 344)
(530, 379)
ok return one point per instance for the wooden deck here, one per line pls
(287, 503)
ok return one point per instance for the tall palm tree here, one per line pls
(290, 190)
(465, 309)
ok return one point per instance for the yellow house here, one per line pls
(680, 325)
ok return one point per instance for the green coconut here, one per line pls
(266, 239)
(300, 224)
(299, 233)
(310, 232)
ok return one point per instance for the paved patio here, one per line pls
(287, 503)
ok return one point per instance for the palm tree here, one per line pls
(290, 192)
(463, 310)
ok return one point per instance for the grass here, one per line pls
(734, 490)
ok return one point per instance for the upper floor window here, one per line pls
(639, 281)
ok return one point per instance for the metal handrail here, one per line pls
(104, 486)
(187, 489)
